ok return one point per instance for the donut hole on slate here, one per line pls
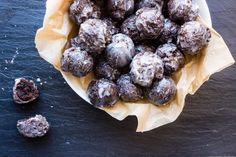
(25, 91)
(33, 127)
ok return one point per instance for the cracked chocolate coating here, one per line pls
(144, 47)
(192, 37)
(120, 51)
(119, 9)
(172, 58)
(104, 70)
(111, 26)
(194, 12)
(169, 33)
(102, 93)
(24, 91)
(145, 67)
(151, 4)
(182, 11)
(162, 91)
(77, 61)
(81, 10)
(93, 36)
(149, 22)
(33, 127)
(73, 42)
(128, 91)
(129, 28)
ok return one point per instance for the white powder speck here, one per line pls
(5, 68)
(67, 142)
(12, 60)
(3, 89)
(17, 52)
(41, 83)
(38, 80)
(64, 82)
(14, 25)
(45, 82)
(5, 35)
(215, 131)
(51, 106)
(6, 61)
(13, 57)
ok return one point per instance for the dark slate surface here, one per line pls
(207, 126)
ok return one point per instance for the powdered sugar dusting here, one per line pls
(145, 67)
(11, 61)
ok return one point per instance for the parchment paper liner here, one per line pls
(57, 29)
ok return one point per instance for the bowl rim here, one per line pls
(204, 11)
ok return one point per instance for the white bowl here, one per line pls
(204, 11)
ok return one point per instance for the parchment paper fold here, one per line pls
(57, 29)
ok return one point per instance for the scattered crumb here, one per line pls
(17, 52)
(13, 57)
(3, 89)
(215, 131)
(5, 68)
(41, 82)
(51, 106)
(38, 80)
(67, 142)
(12, 60)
